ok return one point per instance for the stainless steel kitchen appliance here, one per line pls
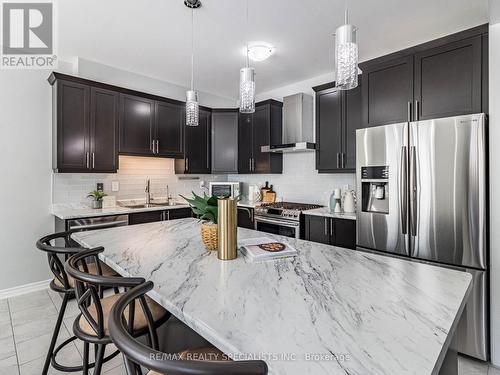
(100, 222)
(422, 187)
(283, 218)
(225, 189)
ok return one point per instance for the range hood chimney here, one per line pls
(297, 125)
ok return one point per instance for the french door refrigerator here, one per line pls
(421, 189)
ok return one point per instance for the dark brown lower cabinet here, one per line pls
(163, 215)
(330, 231)
(245, 218)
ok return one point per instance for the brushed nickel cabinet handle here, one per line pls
(87, 160)
(187, 164)
(326, 226)
(331, 227)
(153, 146)
(93, 160)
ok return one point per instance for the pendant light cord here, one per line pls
(247, 61)
(192, 49)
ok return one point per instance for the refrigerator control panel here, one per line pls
(375, 173)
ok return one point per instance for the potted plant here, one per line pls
(206, 209)
(96, 196)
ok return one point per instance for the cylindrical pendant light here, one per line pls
(346, 56)
(192, 107)
(247, 82)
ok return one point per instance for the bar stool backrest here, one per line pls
(89, 286)
(55, 252)
(136, 354)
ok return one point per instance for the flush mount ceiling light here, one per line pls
(260, 51)
(346, 56)
(247, 81)
(192, 107)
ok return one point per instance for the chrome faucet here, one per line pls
(148, 192)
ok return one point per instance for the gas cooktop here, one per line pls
(287, 210)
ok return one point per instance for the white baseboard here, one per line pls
(24, 289)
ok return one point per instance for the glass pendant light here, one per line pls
(247, 83)
(192, 108)
(346, 56)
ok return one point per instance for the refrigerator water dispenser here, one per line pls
(375, 189)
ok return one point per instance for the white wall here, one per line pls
(25, 141)
(114, 76)
(494, 135)
(300, 180)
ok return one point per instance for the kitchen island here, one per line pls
(328, 311)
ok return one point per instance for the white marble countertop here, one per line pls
(79, 210)
(325, 211)
(329, 310)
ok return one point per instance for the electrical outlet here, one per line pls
(115, 185)
(100, 186)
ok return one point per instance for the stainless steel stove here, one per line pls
(284, 218)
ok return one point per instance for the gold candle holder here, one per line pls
(227, 214)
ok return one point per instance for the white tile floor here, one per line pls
(26, 324)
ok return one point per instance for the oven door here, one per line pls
(285, 228)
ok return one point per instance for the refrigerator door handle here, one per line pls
(413, 182)
(403, 206)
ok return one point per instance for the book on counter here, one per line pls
(265, 248)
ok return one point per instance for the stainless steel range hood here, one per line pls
(297, 125)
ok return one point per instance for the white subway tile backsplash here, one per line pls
(132, 176)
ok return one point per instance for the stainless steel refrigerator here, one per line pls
(421, 189)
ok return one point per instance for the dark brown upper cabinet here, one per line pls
(104, 105)
(137, 127)
(169, 121)
(261, 128)
(448, 80)
(338, 115)
(388, 92)
(225, 141)
(441, 78)
(197, 147)
(85, 128)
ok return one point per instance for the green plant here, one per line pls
(204, 207)
(97, 195)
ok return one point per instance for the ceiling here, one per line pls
(152, 37)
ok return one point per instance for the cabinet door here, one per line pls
(104, 130)
(343, 233)
(387, 89)
(169, 120)
(353, 120)
(245, 218)
(145, 217)
(197, 145)
(317, 229)
(261, 137)
(136, 125)
(245, 142)
(448, 80)
(225, 142)
(328, 130)
(73, 127)
(179, 213)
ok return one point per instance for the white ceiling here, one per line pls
(152, 37)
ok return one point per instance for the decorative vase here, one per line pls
(209, 236)
(227, 217)
(97, 204)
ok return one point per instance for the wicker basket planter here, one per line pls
(209, 236)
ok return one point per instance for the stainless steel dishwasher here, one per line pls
(100, 222)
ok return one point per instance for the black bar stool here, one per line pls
(91, 325)
(137, 354)
(59, 247)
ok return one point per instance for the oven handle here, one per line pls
(284, 223)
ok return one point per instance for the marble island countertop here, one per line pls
(80, 210)
(328, 311)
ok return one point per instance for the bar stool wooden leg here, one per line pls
(57, 328)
